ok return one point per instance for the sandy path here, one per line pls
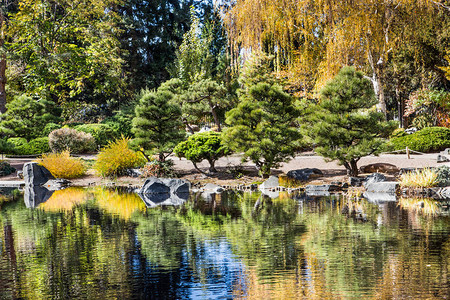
(332, 171)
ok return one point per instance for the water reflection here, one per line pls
(104, 243)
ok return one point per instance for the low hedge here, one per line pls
(20, 146)
(430, 139)
(102, 133)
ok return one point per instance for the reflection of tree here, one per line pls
(113, 247)
(161, 236)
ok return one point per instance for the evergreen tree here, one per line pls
(157, 125)
(27, 117)
(344, 125)
(261, 127)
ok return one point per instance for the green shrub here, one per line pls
(443, 176)
(102, 133)
(430, 139)
(50, 127)
(117, 157)
(6, 147)
(200, 146)
(399, 132)
(5, 168)
(72, 140)
(36, 146)
(17, 141)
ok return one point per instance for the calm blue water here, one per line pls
(105, 244)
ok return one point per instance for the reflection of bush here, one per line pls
(424, 206)
(117, 203)
(64, 200)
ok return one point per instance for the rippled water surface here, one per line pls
(104, 244)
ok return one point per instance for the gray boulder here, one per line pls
(35, 195)
(382, 187)
(270, 183)
(355, 181)
(373, 178)
(445, 193)
(152, 200)
(321, 189)
(442, 158)
(379, 197)
(304, 174)
(34, 174)
(213, 188)
(154, 185)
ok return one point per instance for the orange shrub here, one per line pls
(61, 165)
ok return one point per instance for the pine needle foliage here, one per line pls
(116, 158)
(61, 165)
(261, 126)
(344, 125)
(157, 125)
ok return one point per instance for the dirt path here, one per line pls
(232, 171)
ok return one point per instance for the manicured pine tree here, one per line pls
(345, 125)
(157, 125)
(261, 127)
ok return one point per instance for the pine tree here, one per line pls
(344, 125)
(157, 125)
(261, 127)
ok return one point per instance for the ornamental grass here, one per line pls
(116, 158)
(61, 165)
(420, 178)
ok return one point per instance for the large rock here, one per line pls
(154, 185)
(271, 183)
(442, 158)
(152, 200)
(213, 188)
(382, 187)
(355, 181)
(34, 174)
(304, 174)
(164, 191)
(35, 195)
(379, 197)
(380, 168)
(373, 178)
(321, 190)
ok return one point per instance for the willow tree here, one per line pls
(314, 39)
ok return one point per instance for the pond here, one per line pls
(102, 243)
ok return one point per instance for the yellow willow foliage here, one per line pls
(64, 200)
(314, 39)
(119, 204)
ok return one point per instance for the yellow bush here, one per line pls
(117, 157)
(61, 165)
(421, 178)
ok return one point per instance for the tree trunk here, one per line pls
(2, 70)
(216, 118)
(3, 85)
(212, 169)
(352, 167)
